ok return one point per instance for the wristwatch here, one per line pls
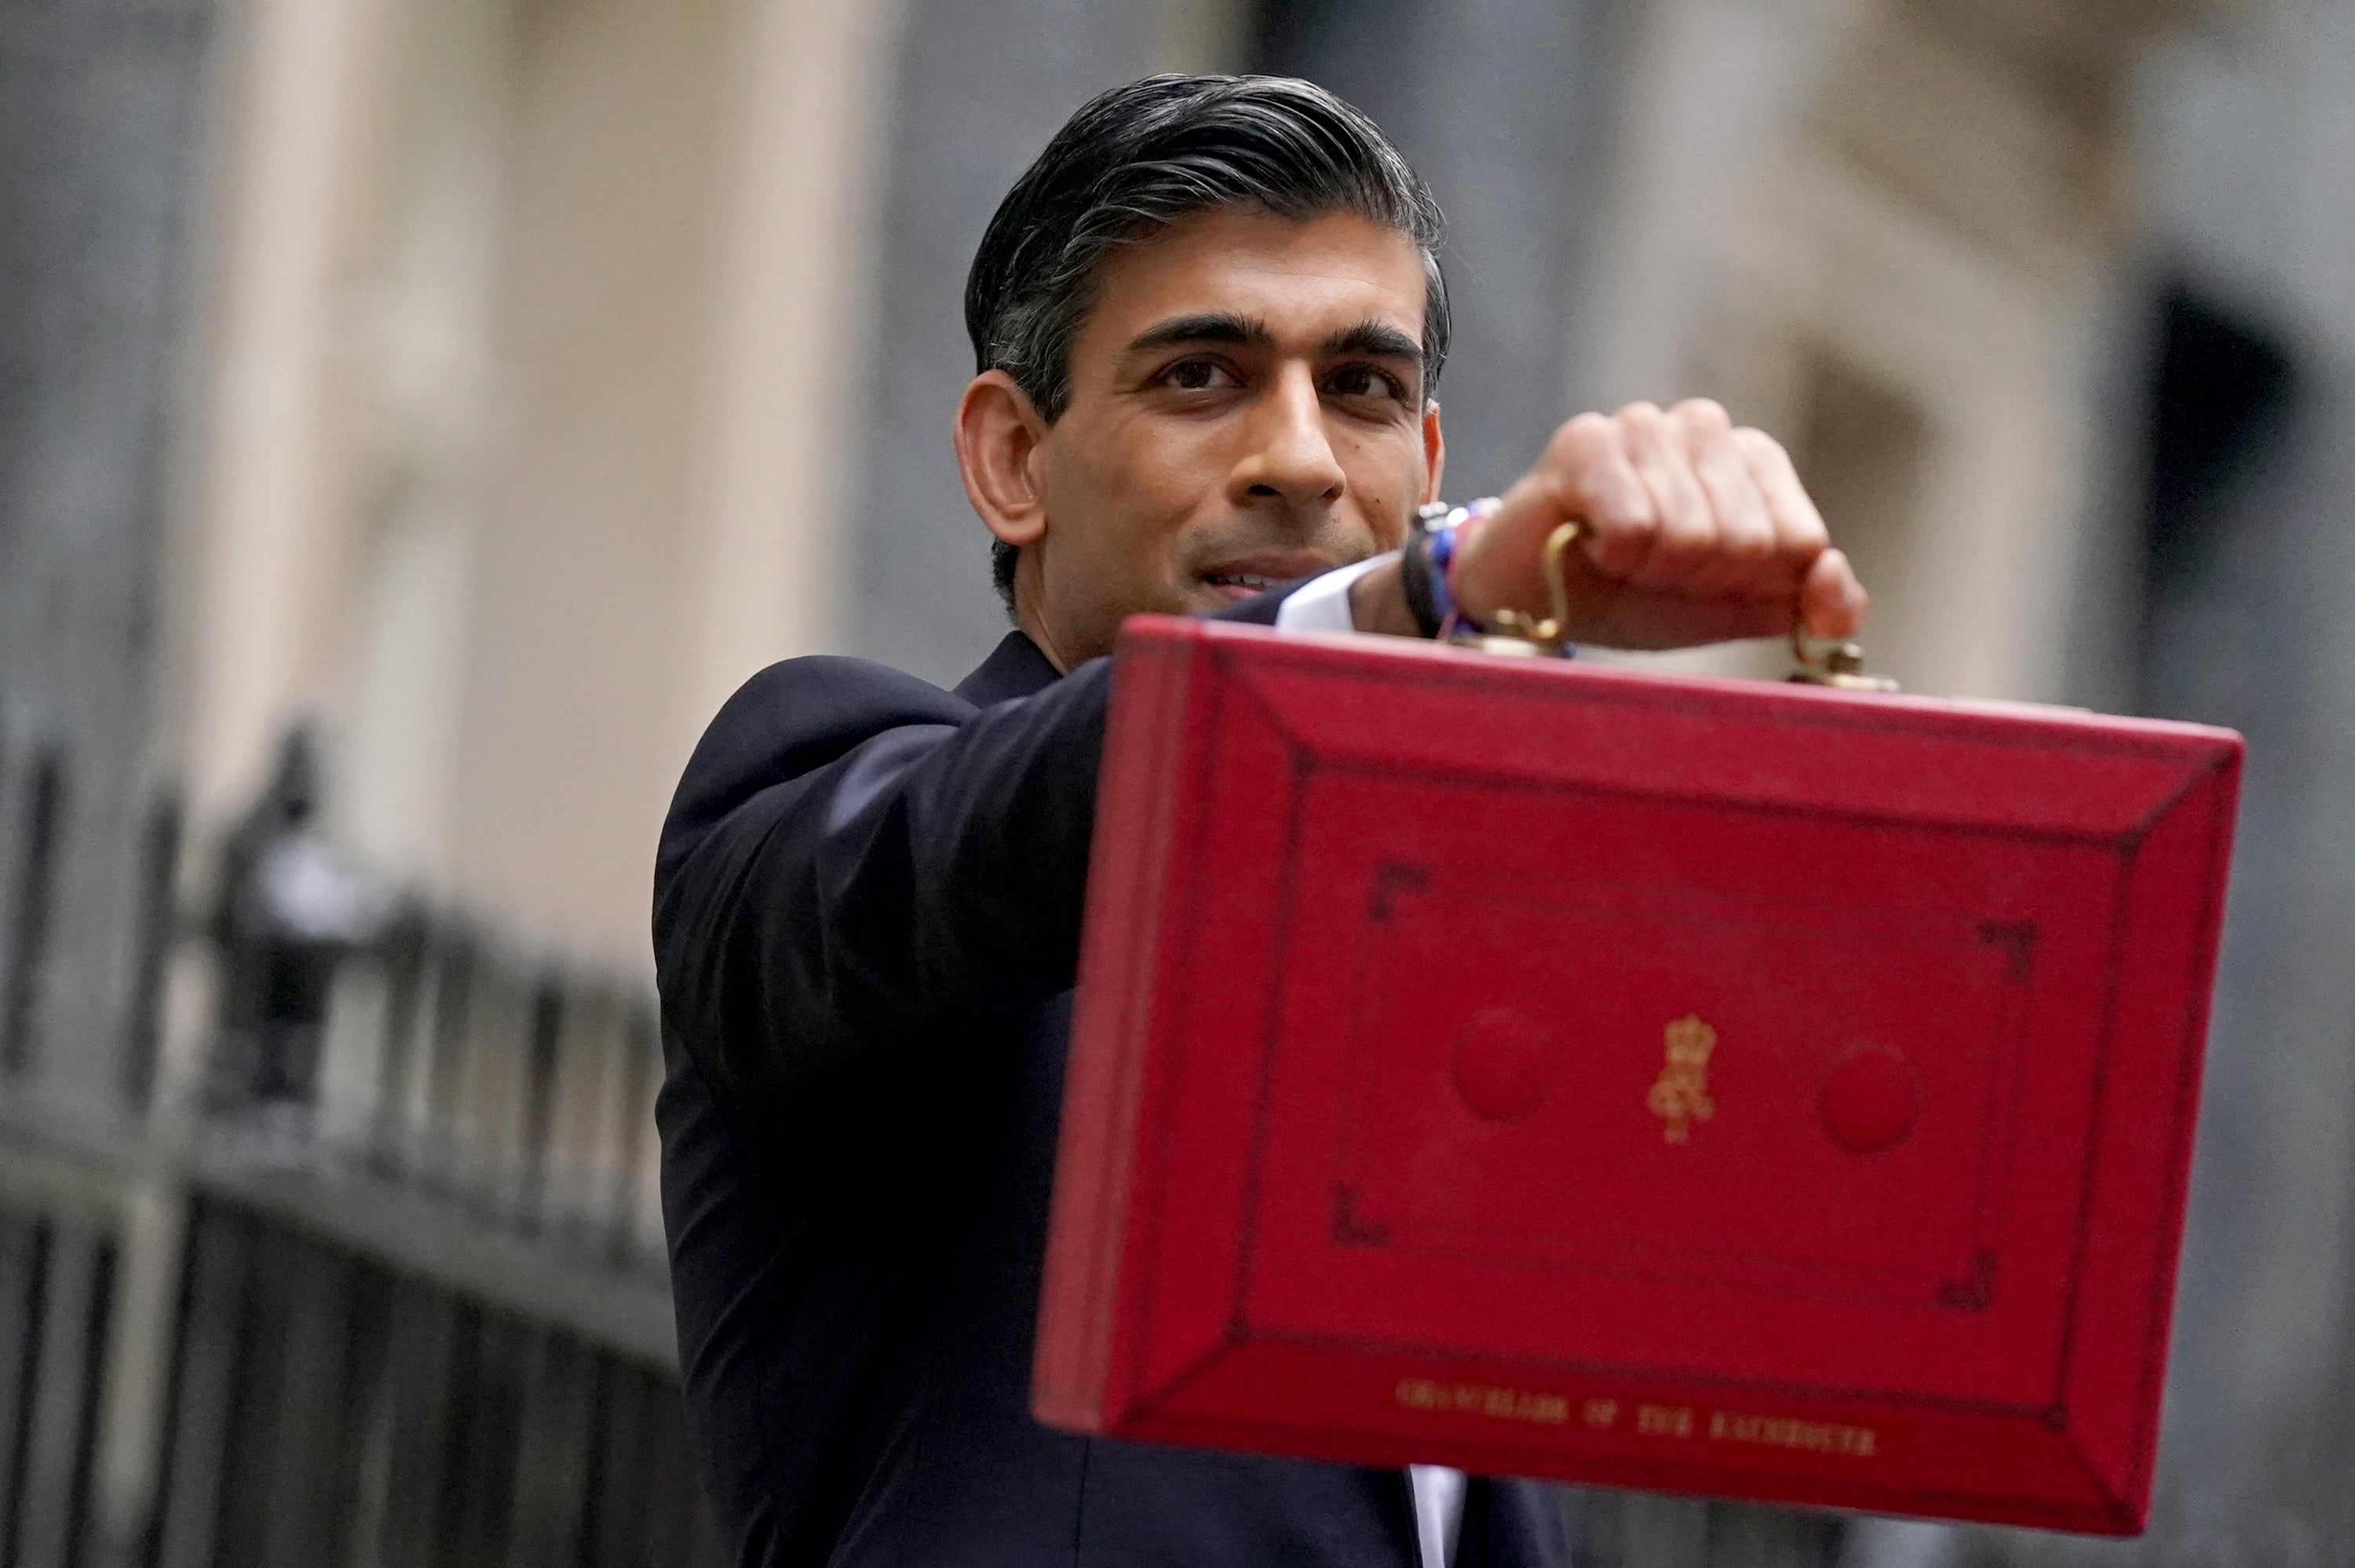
(1415, 575)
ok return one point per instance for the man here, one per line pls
(1208, 322)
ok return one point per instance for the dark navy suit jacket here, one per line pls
(866, 916)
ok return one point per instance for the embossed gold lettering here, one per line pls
(1789, 1432)
(1482, 1399)
(1664, 1421)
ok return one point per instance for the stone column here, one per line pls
(792, 323)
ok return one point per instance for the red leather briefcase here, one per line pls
(1722, 1087)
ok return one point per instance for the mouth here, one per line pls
(1242, 577)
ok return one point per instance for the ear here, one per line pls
(1434, 451)
(998, 434)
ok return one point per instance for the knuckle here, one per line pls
(1761, 448)
(1703, 414)
(1580, 440)
(1808, 535)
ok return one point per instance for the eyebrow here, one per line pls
(1240, 332)
(1376, 339)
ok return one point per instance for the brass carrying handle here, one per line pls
(1550, 635)
(1516, 632)
(1835, 663)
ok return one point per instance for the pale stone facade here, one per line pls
(533, 344)
(1895, 234)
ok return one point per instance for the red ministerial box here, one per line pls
(1722, 1087)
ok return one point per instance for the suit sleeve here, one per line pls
(894, 863)
(857, 861)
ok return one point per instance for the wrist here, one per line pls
(1414, 594)
(1449, 544)
(1474, 580)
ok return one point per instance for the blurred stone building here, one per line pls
(490, 385)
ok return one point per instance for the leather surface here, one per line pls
(1725, 1087)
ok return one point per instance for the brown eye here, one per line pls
(1361, 381)
(1197, 375)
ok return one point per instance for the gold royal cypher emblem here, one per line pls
(1680, 1095)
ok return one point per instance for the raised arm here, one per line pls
(856, 858)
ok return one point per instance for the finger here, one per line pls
(1589, 479)
(1799, 533)
(1744, 565)
(1584, 477)
(1645, 618)
(1831, 601)
(1686, 532)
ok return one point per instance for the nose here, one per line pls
(1290, 457)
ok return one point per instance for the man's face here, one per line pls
(1246, 406)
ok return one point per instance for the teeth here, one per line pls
(1253, 580)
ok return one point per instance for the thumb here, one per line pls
(1831, 601)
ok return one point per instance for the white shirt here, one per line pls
(1323, 605)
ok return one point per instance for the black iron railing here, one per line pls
(407, 1308)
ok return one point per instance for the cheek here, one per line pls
(1388, 475)
(1173, 463)
(1154, 476)
(1121, 499)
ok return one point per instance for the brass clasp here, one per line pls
(1837, 664)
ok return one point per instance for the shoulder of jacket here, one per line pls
(793, 690)
(796, 716)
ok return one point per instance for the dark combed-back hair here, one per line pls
(1138, 158)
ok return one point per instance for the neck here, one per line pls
(1033, 625)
